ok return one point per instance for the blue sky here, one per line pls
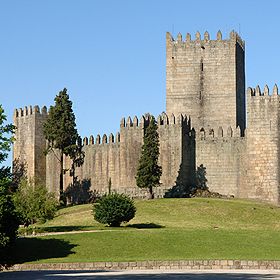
(110, 55)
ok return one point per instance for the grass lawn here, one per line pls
(163, 229)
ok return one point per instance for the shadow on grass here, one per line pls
(34, 249)
(64, 228)
(147, 225)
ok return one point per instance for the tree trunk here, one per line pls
(61, 196)
(151, 194)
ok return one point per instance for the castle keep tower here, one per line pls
(206, 79)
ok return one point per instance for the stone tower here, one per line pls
(30, 142)
(206, 79)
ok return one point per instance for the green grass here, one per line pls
(163, 229)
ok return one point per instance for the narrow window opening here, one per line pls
(201, 66)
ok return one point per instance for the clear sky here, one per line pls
(110, 54)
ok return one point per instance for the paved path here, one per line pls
(143, 275)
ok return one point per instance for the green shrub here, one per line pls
(34, 203)
(113, 209)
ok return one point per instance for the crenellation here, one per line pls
(237, 132)
(85, 141)
(27, 111)
(104, 139)
(44, 110)
(179, 37)
(197, 36)
(30, 112)
(142, 121)
(266, 90)
(202, 134)
(220, 132)
(36, 109)
(164, 118)
(135, 121)
(98, 139)
(275, 90)
(206, 36)
(229, 132)
(180, 119)
(233, 36)
(91, 140)
(20, 112)
(172, 119)
(122, 124)
(159, 120)
(219, 36)
(188, 38)
(111, 138)
(258, 91)
(250, 92)
(118, 137)
(169, 37)
(129, 122)
(15, 113)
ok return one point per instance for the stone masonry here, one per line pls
(208, 122)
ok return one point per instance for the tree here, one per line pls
(8, 217)
(113, 209)
(34, 203)
(149, 172)
(61, 133)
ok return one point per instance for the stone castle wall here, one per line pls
(205, 79)
(30, 141)
(262, 150)
(221, 152)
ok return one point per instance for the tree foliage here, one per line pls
(113, 209)
(149, 172)
(34, 203)
(61, 133)
(8, 217)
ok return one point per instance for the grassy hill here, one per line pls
(163, 229)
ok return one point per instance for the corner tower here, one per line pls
(206, 79)
(30, 142)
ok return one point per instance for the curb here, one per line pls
(154, 265)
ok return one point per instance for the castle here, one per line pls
(209, 121)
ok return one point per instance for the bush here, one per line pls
(8, 219)
(113, 209)
(34, 203)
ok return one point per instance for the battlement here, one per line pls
(134, 123)
(164, 119)
(254, 92)
(111, 139)
(218, 133)
(233, 36)
(28, 111)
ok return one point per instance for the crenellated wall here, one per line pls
(206, 79)
(262, 153)
(221, 152)
(118, 158)
(30, 142)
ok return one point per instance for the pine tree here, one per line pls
(149, 172)
(60, 131)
